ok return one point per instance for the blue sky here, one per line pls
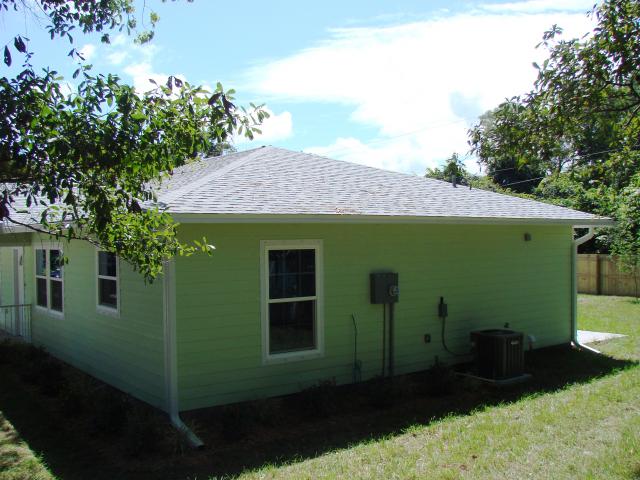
(391, 84)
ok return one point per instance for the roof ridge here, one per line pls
(324, 157)
(172, 195)
(233, 154)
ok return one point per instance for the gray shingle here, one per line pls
(275, 181)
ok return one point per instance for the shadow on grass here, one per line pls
(292, 428)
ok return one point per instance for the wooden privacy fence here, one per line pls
(600, 274)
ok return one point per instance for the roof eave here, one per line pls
(7, 229)
(391, 219)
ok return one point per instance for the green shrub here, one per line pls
(317, 401)
(268, 411)
(43, 371)
(236, 421)
(36, 354)
(145, 432)
(109, 411)
(76, 396)
(381, 392)
(6, 351)
(439, 380)
(51, 381)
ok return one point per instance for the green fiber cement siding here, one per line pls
(126, 350)
(488, 275)
(7, 244)
(6, 276)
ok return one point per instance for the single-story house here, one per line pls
(275, 309)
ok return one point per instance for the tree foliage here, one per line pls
(88, 161)
(454, 168)
(576, 134)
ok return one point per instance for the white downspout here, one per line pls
(170, 355)
(574, 289)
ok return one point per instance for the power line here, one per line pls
(606, 151)
(579, 156)
(523, 181)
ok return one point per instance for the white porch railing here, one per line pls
(16, 320)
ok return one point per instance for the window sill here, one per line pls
(49, 312)
(292, 357)
(108, 311)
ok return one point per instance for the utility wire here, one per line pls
(523, 181)
(578, 156)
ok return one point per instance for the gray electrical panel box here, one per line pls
(384, 287)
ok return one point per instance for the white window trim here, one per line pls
(105, 309)
(265, 246)
(47, 247)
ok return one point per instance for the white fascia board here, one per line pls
(271, 218)
(8, 229)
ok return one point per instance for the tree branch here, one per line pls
(32, 226)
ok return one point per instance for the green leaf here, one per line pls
(19, 44)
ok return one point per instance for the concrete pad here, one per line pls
(586, 336)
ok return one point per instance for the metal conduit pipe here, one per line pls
(170, 355)
(574, 289)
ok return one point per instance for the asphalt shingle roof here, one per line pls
(271, 181)
(275, 181)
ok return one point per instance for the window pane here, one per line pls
(308, 260)
(292, 326)
(56, 295)
(292, 273)
(41, 292)
(55, 263)
(41, 262)
(107, 264)
(107, 293)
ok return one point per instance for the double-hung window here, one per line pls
(107, 294)
(49, 279)
(292, 303)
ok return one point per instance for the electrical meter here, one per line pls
(384, 287)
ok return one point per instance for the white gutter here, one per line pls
(392, 219)
(574, 289)
(170, 354)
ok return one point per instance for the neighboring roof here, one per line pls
(19, 211)
(270, 182)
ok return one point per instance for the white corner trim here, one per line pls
(169, 324)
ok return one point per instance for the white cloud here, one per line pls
(538, 6)
(431, 77)
(143, 72)
(117, 57)
(399, 155)
(120, 39)
(87, 51)
(276, 127)
(123, 49)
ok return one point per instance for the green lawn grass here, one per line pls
(17, 461)
(579, 417)
(585, 431)
(612, 314)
